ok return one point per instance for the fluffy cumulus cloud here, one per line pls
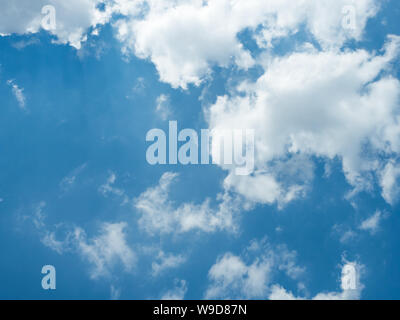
(185, 39)
(238, 277)
(295, 110)
(182, 38)
(232, 276)
(294, 106)
(324, 100)
(72, 19)
(160, 215)
(330, 22)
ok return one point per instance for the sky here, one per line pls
(83, 82)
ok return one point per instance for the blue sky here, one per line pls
(76, 191)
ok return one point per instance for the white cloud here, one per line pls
(39, 216)
(163, 107)
(21, 17)
(315, 104)
(280, 293)
(287, 262)
(73, 18)
(108, 188)
(50, 240)
(18, 93)
(177, 293)
(68, 181)
(345, 233)
(346, 294)
(105, 250)
(233, 278)
(230, 276)
(166, 261)
(322, 18)
(182, 38)
(47, 236)
(371, 224)
(252, 276)
(25, 43)
(160, 215)
(185, 39)
(389, 181)
(115, 293)
(140, 85)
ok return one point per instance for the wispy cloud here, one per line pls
(108, 188)
(178, 292)
(371, 224)
(19, 45)
(105, 250)
(108, 249)
(68, 181)
(115, 293)
(160, 215)
(166, 261)
(18, 93)
(163, 109)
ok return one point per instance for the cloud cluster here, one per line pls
(331, 23)
(322, 101)
(232, 277)
(186, 39)
(239, 277)
(316, 104)
(295, 106)
(279, 293)
(73, 18)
